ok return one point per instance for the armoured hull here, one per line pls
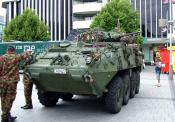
(100, 65)
(71, 80)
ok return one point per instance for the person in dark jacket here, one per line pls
(158, 66)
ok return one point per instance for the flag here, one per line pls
(173, 1)
(167, 1)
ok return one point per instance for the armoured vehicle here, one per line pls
(98, 63)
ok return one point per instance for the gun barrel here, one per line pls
(128, 34)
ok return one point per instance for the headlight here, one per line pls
(88, 60)
(88, 78)
(67, 58)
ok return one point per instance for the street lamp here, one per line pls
(171, 28)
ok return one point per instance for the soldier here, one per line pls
(28, 85)
(9, 77)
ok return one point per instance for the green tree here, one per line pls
(116, 10)
(26, 27)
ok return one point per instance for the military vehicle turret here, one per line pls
(98, 63)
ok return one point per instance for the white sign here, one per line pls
(28, 47)
(59, 71)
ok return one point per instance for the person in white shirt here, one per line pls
(158, 67)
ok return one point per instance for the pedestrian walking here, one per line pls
(9, 77)
(158, 66)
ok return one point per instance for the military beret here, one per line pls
(11, 47)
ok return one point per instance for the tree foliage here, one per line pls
(26, 27)
(116, 10)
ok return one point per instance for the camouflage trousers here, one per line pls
(8, 95)
(28, 85)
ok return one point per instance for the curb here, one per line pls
(172, 90)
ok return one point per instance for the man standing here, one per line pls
(28, 84)
(9, 77)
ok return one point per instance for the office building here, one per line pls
(150, 12)
(56, 14)
(2, 25)
(155, 37)
(84, 11)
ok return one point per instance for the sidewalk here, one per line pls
(152, 104)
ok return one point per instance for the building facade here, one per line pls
(155, 37)
(2, 25)
(59, 14)
(84, 11)
(150, 12)
(56, 14)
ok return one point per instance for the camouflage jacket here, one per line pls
(9, 71)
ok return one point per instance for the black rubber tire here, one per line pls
(102, 99)
(133, 85)
(66, 97)
(127, 87)
(48, 99)
(137, 82)
(114, 96)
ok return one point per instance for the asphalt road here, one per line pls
(152, 104)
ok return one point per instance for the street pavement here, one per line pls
(152, 104)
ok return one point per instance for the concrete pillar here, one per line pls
(55, 17)
(22, 6)
(14, 10)
(64, 19)
(10, 11)
(59, 16)
(51, 19)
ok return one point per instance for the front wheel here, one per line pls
(137, 82)
(133, 85)
(126, 81)
(114, 96)
(48, 99)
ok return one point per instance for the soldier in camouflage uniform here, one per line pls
(9, 77)
(28, 85)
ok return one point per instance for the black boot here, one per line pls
(12, 118)
(8, 119)
(27, 107)
(4, 120)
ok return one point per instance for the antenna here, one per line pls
(118, 29)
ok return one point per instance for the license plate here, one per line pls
(59, 71)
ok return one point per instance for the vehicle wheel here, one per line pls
(102, 98)
(133, 85)
(67, 97)
(138, 82)
(114, 96)
(126, 81)
(48, 99)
